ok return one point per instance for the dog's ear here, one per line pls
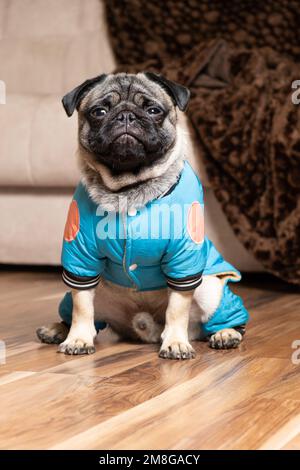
(179, 93)
(72, 99)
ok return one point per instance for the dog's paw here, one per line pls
(53, 334)
(225, 339)
(76, 347)
(177, 350)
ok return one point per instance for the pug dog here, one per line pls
(165, 289)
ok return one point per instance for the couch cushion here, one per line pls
(38, 142)
(39, 18)
(52, 48)
(33, 235)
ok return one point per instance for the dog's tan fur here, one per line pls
(175, 341)
(82, 332)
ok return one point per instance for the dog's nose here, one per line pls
(126, 117)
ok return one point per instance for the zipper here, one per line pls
(125, 251)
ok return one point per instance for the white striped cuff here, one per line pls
(187, 283)
(79, 282)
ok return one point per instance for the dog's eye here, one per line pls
(98, 112)
(154, 110)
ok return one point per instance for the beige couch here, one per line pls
(46, 48)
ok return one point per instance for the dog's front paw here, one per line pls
(225, 339)
(177, 350)
(76, 346)
(53, 334)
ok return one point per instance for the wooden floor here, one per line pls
(125, 397)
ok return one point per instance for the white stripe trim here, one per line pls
(69, 278)
(72, 283)
(183, 283)
(188, 281)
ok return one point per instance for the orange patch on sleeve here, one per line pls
(73, 222)
(195, 223)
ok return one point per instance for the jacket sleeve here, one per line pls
(81, 261)
(186, 255)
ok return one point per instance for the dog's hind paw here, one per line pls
(225, 339)
(55, 333)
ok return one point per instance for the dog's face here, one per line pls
(127, 121)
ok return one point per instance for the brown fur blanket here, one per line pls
(239, 59)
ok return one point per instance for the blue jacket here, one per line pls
(162, 245)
